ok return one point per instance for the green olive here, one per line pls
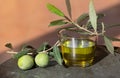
(42, 59)
(25, 62)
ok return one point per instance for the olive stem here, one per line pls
(56, 44)
(82, 28)
(13, 52)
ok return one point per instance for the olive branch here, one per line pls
(91, 27)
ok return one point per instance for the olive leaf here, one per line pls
(110, 26)
(92, 15)
(57, 55)
(113, 38)
(55, 10)
(67, 27)
(82, 17)
(57, 22)
(21, 53)
(25, 49)
(100, 15)
(51, 54)
(68, 5)
(9, 45)
(25, 46)
(42, 47)
(108, 43)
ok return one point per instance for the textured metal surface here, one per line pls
(105, 66)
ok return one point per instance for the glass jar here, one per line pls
(77, 49)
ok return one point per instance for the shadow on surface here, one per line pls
(100, 53)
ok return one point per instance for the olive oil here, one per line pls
(78, 52)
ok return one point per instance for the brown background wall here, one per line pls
(26, 21)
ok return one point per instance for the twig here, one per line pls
(56, 44)
(82, 28)
(103, 28)
(13, 52)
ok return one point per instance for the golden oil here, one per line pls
(78, 52)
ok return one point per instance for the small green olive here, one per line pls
(42, 59)
(25, 62)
